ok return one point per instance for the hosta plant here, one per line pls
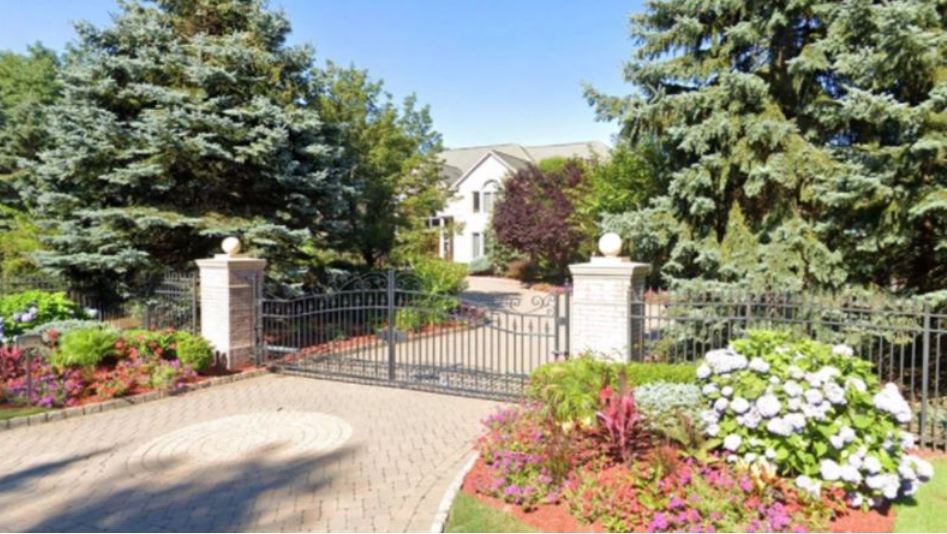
(815, 412)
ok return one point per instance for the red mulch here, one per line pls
(871, 521)
(556, 517)
(139, 389)
(545, 517)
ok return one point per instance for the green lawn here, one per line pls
(928, 511)
(470, 515)
(10, 413)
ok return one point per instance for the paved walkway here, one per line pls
(266, 454)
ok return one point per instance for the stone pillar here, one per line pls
(230, 284)
(601, 316)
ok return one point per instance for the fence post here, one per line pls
(601, 317)
(229, 294)
(194, 296)
(390, 292)
(925, 373)
(556, 324)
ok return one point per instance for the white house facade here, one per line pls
(475, 176)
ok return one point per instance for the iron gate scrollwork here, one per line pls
(385, 327)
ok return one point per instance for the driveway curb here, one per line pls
(440, 519)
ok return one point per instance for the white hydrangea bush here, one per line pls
(810, 411)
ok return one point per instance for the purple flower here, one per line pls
(659, 522)
(676, 503)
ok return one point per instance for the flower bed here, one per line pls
(82, 361)
(728, 451)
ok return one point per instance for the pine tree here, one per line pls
(825, 123)
(181, 122)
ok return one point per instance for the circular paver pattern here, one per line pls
(274, 435)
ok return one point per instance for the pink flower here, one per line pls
(659, 522)
(745, 483)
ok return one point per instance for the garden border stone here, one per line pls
(76, 411)
(443, 510)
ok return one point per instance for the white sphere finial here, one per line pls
(610, 245)
(231, 246)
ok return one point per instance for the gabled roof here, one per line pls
(458, 162)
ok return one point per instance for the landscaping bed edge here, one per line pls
(443, 510)
(96, 407)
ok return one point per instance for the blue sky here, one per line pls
(492, 71)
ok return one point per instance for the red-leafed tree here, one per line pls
(534, 215)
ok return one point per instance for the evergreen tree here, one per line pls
(181, 122)
(388, 165)
(28, 83)
(823, 123)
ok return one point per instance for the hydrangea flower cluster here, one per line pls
(811, 411)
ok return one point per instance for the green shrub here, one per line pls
(27, 309)
(61, 327)
(85, 347)
(440, 277)
(481, 265)
(570, 389)
(409, 319)
(672, 411)
(151, 342)
(194, 351)
(814, 411)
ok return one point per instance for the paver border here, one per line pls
(77, 411)
(443, 510)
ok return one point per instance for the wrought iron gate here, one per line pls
(383, 327)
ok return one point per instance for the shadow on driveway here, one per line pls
(216, 498)
(13, 481)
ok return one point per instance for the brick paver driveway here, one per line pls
(271, 453)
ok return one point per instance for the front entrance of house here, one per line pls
(384, 327)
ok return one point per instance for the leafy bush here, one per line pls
(671, 409)
(481, 265)
(569, 389)
(410, 319)
(813, 410)
(194, 351)
(21, 311)
(440, 277)
(85, 347)
(142, 343)
(51, 331)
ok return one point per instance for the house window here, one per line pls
(477, 241)
(476, 201)
(489, 194)
(488, 197)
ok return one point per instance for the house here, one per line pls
(475, 175)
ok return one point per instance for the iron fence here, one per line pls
(170, 300)
(385, 327)
(904, 339)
